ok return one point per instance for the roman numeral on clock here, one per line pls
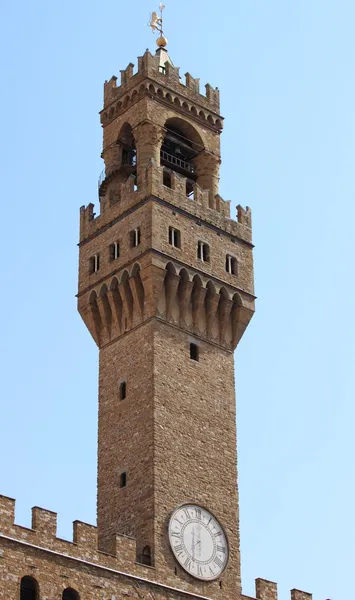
(187, 513)
(217, 561)
(221, 549)
(187, 563)
(178, 549)
(198, 513)
(199, 571)
(174, 534)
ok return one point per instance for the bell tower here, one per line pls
(166, 291)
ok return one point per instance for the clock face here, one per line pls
(198, 542)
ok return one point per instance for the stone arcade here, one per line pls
(166, 290)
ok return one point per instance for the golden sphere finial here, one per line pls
(162, 41)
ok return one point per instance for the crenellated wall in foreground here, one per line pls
(57, 564)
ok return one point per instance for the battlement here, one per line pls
(214, 211)
(267, 590)
(84, 545)
(84, 548)
(159, 70)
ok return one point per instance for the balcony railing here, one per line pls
(177, 162)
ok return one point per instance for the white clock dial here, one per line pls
(198, 542)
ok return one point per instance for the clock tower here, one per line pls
(166, 291)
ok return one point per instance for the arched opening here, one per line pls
(146, 557)
(180, 147)
(29, 589)
(70, 594)
(128, 148)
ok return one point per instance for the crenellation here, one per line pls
(85, 535)
(127, 74)
(192, 84)
(265, 590)
(7, 511)
(44, 521)
(299, 595)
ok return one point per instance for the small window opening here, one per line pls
(220, 584)
(129, 158)
(162, 69)
(231, 265)
(203, 252)
(175, 570)
(123, 480)
(94, 263)
(123, 390)
(174, 237)
(28, 588)
(167, 178)
(190, 190)
(114, 251)
(146, 558)
(194, 352)
(70, 594)
(135, 237)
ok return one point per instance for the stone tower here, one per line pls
(166, 291)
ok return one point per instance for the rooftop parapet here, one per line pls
(267, 590)
(200, 205)
(159, 68)
(84, 546)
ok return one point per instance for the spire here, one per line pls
(156, 23)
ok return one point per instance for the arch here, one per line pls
(119, 106)
(187, 131)
(194, 111)
(197, 281)
(184, 276)
(160, 93)
(105, 116)
(146, 556)
(135, 270)
(223, 293)
(202, 115)
(170, 268)
(114, 284)
(29, 588)
(70, 594)
(210, 119)
(211, 288)
(103, 290)
(237, 299)
(185, 106)
(152, 89)
(128, 148)
(142, 89)
(93, 297)
(168, 97)
(219, 124)
(112, 112)
(177, 101)
(124, 276)
(126, 101)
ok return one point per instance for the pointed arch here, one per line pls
(114, 284)
(103, 290)
(170, 268)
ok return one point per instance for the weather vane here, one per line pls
(156, 23)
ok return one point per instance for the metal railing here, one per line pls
(177, 162)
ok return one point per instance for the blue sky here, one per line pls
(285, 71)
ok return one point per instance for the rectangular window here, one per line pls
(167, 178)
(94, 263)
(114, 251)
(231, 265)
(174, 237)
(123, 390)
(203, 251)
(194, 352)
(123, 480)
(135, 237)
